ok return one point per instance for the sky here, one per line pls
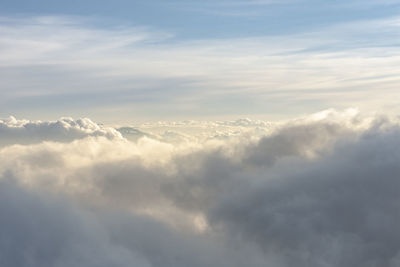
(199, 133)
(131, 61)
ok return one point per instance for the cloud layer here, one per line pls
(13, 131)
(317, 191)
(69, 65)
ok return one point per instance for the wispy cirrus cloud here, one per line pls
(46, 60)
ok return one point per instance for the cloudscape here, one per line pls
(199, 133)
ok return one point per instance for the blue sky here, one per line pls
(226, 18)
(139, 60)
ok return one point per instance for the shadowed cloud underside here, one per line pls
(315, 191)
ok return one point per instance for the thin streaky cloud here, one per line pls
(123, 66)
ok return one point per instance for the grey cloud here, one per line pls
(40, 230)
(314, 192)
(338, 211)
(133, 134)
(296, 140)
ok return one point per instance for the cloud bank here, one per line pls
(321, 190)
(13, 131)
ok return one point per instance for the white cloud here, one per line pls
(126, 70)
(308, 192)
(13, 131)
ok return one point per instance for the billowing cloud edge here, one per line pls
(315, 191)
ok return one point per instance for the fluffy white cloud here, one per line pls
(316, 191)
(13, 131)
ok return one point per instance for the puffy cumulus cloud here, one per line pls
(13, 131)
(315, 191)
